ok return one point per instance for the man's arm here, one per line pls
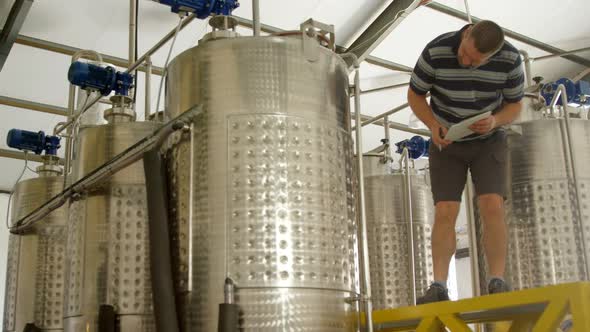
(423, 78)
(423, 111)
(507, 115)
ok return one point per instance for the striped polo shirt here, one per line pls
(458, 93)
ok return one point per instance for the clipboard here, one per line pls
(461, 129)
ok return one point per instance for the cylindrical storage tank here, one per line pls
(107, 253)
(547, 241)
(36, 259)
(389, 236)
(262, 190)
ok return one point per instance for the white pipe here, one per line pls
(132, 26)
(362, 211)
(471, 226)
(527, 67)
(561, 92)
(468, 12)
(410, 222)
(148, 88)
(256, 17)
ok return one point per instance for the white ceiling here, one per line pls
(40, 76)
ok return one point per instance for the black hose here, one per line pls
(229, 318)
(107, 319)
(160, 253)
(31, 328)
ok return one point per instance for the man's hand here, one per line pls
(484, 126)
(424, 2)
(438, 134)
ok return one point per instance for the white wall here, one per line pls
(3, 252)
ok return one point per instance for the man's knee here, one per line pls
(446, 212)
(491, 205)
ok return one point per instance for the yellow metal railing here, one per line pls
(536, 310)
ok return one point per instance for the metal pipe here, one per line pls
(561, 92)
(132, 42)
(5, 153)
(410, 220)
(96, 177)
(387, 87)
(468, 12)
(161, 43)
(45, 108)
(132, 28)
(382, 115)
(366, 269)
(69, 50)
(387, 137)
(396, 126)
(527, 67)
(471, 226)
(256, 17)
(550, 56)
(148, 88)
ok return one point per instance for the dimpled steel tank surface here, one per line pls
(389, 236)
(262, 187)
(36, 260)
(546, 234)
(108, 254)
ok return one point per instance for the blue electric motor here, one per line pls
(36, 142)
(103, 79)
(417, 147)
(202, 8)
(576, 92)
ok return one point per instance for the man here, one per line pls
(467, 73)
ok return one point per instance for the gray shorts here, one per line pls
(485, 158)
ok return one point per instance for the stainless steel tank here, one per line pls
(107, 253)
(389, 236)
(547, 238)
(36, 260)
(262, 190)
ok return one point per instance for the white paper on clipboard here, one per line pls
(461, 129)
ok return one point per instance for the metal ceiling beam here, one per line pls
(31, 105)
(14, 22)
(370, 59)
(512, 34)
(69, 50)
(381, 27)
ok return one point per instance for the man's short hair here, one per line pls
(487, 36)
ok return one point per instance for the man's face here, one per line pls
(468, 55)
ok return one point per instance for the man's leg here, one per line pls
(491, 208)
(490, 175)
(444, 239)
(448, 172)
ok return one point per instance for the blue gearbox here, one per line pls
(36, 142)
(202, 8)
(103, 79)
(577, 92)
(417, 147)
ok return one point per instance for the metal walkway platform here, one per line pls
(536, 310)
